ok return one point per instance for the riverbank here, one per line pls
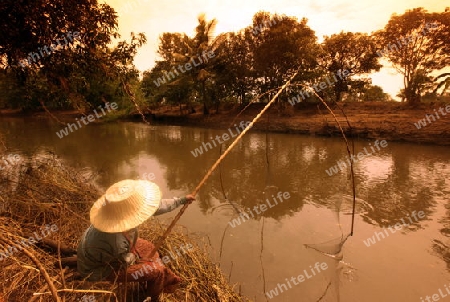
(427, 123)
(43, 191)
(389, 121)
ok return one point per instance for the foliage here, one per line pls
(230, 67)
(83, 73)
(442, 83)
(354, 52)
(187, 68)
(245, 64)
(283, 46)
(416, 43)
(366, 92)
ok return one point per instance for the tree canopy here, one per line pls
(353, 52)
(261, 57)
(58, 54)
(416, 43)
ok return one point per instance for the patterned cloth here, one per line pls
(159, 278)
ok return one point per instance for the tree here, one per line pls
(348, 53)
(59, 52)
(235, 76)
(375, 93)
(191, 60)
(27, 27)
(174, 93)
(201, 45)
(416, 43)
(280, 46)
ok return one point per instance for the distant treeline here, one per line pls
(230, 68)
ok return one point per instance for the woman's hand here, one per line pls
(130, 258)
(190, 198)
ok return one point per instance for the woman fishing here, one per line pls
(110, 248)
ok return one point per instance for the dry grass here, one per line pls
(47, 192)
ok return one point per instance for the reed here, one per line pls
(46, 191)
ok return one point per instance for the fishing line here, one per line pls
(335, 250)
(220, 149)
(325, 292)
(208, 174)
(267, 153)
(351, 167)
(269, 185)
(223, 188)
(261, 258)
(349, 153)
(221, 243)
(237, 210)
(258, 116)
(263, 272)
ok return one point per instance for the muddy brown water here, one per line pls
(295, 245)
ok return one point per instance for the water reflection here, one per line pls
(375, 169)
(393, 185)
(390, 185)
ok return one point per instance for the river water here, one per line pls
(296, 245)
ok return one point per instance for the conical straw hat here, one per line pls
(125, 205)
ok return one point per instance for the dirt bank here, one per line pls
(372, 120)
(390, 121)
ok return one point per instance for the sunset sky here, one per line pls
(325, 17)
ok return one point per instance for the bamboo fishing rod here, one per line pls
(216, 164)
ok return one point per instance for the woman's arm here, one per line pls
(123, 246)
(168, 205)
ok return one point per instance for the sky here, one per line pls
(325, 17)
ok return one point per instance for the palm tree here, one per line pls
(201, 52)
(444, 84)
